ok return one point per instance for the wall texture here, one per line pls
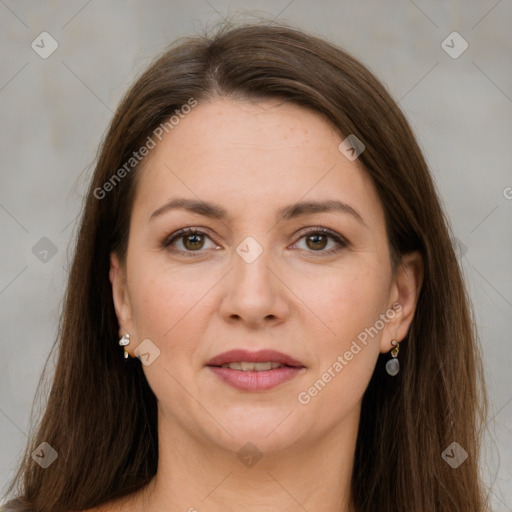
(65, 65)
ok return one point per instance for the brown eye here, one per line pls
(317, 239)
(318, 242)
(192, 242)
(188, 241)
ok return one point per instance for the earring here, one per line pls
(393, 365)
(125, 340)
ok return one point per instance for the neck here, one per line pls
(195, 476)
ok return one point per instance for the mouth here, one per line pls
(245, 360)
(255, 371)
(247, 366)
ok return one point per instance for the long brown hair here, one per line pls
(101, 414)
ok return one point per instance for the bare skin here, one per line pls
(197, 298)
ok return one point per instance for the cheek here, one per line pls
(172, 307)
(168, 308)
(346, 300)
(352, 303)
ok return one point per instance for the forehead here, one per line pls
(254, 155)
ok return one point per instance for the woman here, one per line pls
(264, 311)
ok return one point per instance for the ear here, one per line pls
(405, 291)
(122, 306)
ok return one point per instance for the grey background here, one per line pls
(54, 112)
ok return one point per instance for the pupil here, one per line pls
(316, 240)
(194, 244)
(194, 241)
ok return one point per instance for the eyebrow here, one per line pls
(289, 212)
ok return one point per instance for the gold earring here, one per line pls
(125, 340)
(393, 365)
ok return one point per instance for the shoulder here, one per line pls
(127, 503)
(105, 507)
(100, 508)
(17, 506)
(123, 504)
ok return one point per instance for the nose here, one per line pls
(254, 293)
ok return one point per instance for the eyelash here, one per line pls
(180, 234)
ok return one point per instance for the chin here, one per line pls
(267, 433)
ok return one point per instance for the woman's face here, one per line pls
(258, 275)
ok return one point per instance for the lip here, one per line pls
(255, 380)
(261, 356)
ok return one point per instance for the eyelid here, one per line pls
(190, 230)
(339, 239)
(180, 233)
